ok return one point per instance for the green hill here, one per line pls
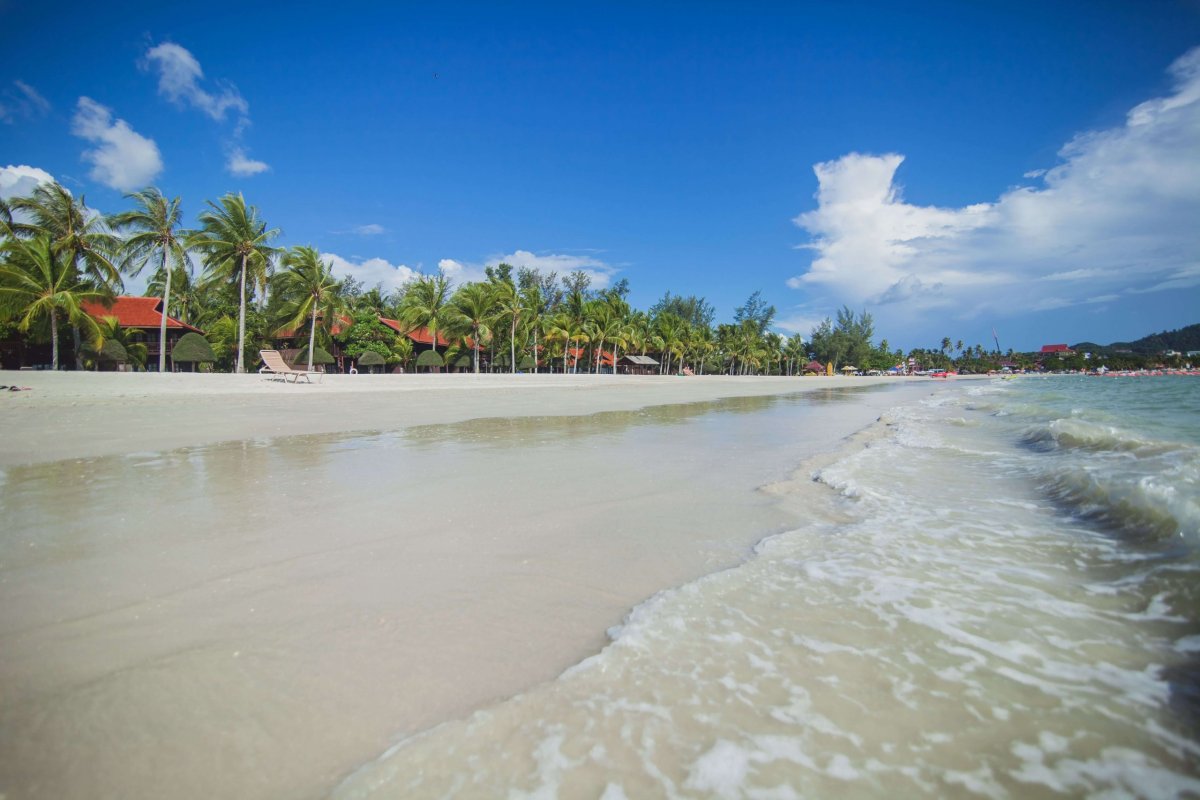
(1183, 340)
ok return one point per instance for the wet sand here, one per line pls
(237, 588)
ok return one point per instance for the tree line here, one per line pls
(57, 254)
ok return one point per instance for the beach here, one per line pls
(219, 585)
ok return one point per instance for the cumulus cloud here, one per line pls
(240, 164)
(1117, 215)
(122, 159)
(372, 271)
(181, 81)
(600, 272)
(20, 181)
(180, 77)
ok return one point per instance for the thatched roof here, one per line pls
(463, 361)
(430, 358)
(112, 350)
(192, 347)
(320, 356)
(641, 361)
(371, 359)
(526, 362)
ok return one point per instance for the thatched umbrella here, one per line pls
(320, 356)
(111, 352)
(849, 368)
(463, 362)
(526, 363)
(192, 348)
(431, 359)
(371, 359)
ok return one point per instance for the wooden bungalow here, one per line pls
(638, 365)
(142, 317)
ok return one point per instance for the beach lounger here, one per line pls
(273, 364)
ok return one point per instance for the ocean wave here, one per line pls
(1080, 434)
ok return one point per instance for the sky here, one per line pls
(951, 168)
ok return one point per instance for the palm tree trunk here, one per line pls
(475, 349)
(512, 344)
(535, 350)
(312, 337)
(241, 366)
(54, 340)
(162, 326)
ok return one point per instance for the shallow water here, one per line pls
(992, 593)
(258, 618)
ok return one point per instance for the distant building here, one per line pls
(1057, 348)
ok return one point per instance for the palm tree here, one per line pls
(510, 305)
(38, 281)
(74, 231)
(109, 329)
(234, 242)
(426, 304)
(470, 309)
(308, 290)
(155, 231)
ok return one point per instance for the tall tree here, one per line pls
(235, 244)
(426, 304)
(76, 232)
(38, 282)
(153, 232)
(471, 308)
(309, 292)
(755, 311)
(510, 305)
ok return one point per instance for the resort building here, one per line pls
(142, 318)
(1060, 349)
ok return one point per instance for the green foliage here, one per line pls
(695, 311)
(430, 358)
(192, 348)
(755, 311)
(367, 333)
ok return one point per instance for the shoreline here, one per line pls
(120, 413)
(380, 604)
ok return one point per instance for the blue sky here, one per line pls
(888, 156)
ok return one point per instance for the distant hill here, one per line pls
(1182, 340)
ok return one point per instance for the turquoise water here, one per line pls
(992, 592)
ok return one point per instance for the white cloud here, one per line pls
(25, 102)
(123, 158)
(372, 271)
(179, 78)
(600, 272)
(20, 181)
(240, 164)
(370, 229)
(1116, 215)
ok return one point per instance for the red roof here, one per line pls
(339, 326)
(606, 358)
(136, 312)
(1056, 348)
(421, 335)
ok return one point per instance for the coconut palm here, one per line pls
(234, 242)
(471, 308)
(308, 290)
(37, 282)
(109, 330)
(75, 231)
(154, 233)
(510, 305)
(426, 304)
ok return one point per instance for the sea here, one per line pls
(991, 592)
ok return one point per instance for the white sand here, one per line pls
(257, 618)
(84, 414)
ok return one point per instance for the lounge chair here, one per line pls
(273, 364)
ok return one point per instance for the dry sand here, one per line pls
(216, 585)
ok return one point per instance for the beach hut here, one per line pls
(192, 349)
(371, 360)
(638, 365)
(814, 367)
(431, 361)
